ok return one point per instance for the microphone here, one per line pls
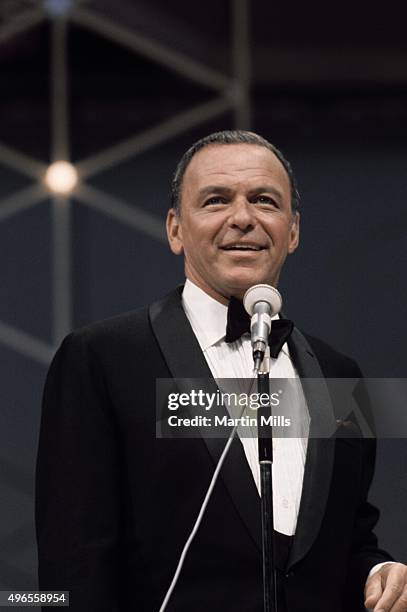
(261, 302)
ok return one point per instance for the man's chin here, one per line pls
(238, 287)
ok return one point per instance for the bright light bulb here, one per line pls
(61, 177)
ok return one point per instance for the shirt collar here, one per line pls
(207, 316)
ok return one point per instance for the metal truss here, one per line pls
(231, 93)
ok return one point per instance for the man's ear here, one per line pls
(174, 232)
(294, 238)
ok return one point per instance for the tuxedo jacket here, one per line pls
(115, 505)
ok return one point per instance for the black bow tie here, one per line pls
(238, 323)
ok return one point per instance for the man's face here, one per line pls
(236, 225)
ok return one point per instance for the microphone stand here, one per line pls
(265, 448)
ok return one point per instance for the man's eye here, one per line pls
(215, 200)
(263, 199)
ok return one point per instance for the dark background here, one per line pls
(326, 83)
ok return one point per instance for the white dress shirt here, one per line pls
(234, 360)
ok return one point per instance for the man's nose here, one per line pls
(242, 214)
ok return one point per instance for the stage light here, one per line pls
(61, 177)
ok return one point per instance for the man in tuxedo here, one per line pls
(115, 504)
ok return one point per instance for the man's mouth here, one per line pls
(240, 246)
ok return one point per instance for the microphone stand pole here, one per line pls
(265, 447)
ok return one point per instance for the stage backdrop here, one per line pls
(122, 96)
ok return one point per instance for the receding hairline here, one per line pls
(228, 137)
(236, 144)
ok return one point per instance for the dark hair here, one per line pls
(224, 138)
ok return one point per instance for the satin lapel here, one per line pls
(320, 451)
(186, 362)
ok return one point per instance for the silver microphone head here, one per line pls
(262, 293)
